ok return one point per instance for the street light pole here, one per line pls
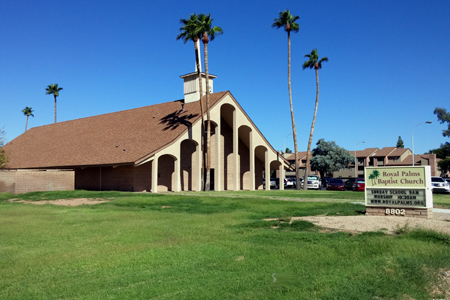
(412, 139)
(356, 166)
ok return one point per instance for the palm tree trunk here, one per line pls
(308, 152)
(55, 109)
(208, 124)
(26, 124)
(297, 163)
(202, 128)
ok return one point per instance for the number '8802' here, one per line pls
(393, 211)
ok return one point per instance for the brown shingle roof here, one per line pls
(408, 160)
(121, 137)
(398, 152)
(300, 155)
(363, 153)
(384, 152)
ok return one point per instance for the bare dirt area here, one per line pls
(440, 222)
(63, 202)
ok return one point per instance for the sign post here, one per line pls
(399, 191)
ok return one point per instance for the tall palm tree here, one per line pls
(27, 111)
(53, 89)
(192, 31)
(209, 33)
(287, 21)
(315, 63)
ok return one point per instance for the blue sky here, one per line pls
(388, 69)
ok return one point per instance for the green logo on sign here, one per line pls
(374, 176)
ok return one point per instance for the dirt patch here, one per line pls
(439, 223)
(63, 202)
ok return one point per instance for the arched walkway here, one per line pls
(262, 167)
(189, 165)
(166, 173)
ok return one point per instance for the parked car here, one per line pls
(313, 182)
(335, 184)
(359, 185)
(439, 185)
(325, 181)
(293, 180)
(349, 184)
(289, 183)
(274, 183)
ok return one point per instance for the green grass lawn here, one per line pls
(207, 246)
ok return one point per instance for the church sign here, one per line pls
(394, 188)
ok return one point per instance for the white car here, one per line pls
(289, 183)
(314, 182)
(439, 185)
(273, 183)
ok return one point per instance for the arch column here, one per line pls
(177, 169)
(267, 169)
(235, 151)
(155, 174)
(281, 172)
(218, 173)
(198, 174)
(252, 161)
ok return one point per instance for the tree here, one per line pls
(400, 143)
(329, 157)
(287, 21)
(27, 111)
(3, 156)
(444, 165)
(53, 89)
(443, 151)
(443, 117)
(192, 31)
(2, 137)
(312, 62)
(209, 33)
(288, 150)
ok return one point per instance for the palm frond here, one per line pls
(190, 30)
(287, 21)
(205, 24)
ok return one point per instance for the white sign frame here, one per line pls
(406, 187)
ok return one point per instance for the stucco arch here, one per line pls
(189, 165)
(166, 173)
(227, 137)
(261, 157)
(245, 157)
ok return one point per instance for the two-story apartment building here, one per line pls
(373, 157)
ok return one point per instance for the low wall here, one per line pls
(425, 213)
(24, 181)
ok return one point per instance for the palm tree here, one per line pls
(192, 31)
(287, 21)
(372, 177)
(315, 63)
(209, 33)
(27, 111)
(376, 174)
(53, 89)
